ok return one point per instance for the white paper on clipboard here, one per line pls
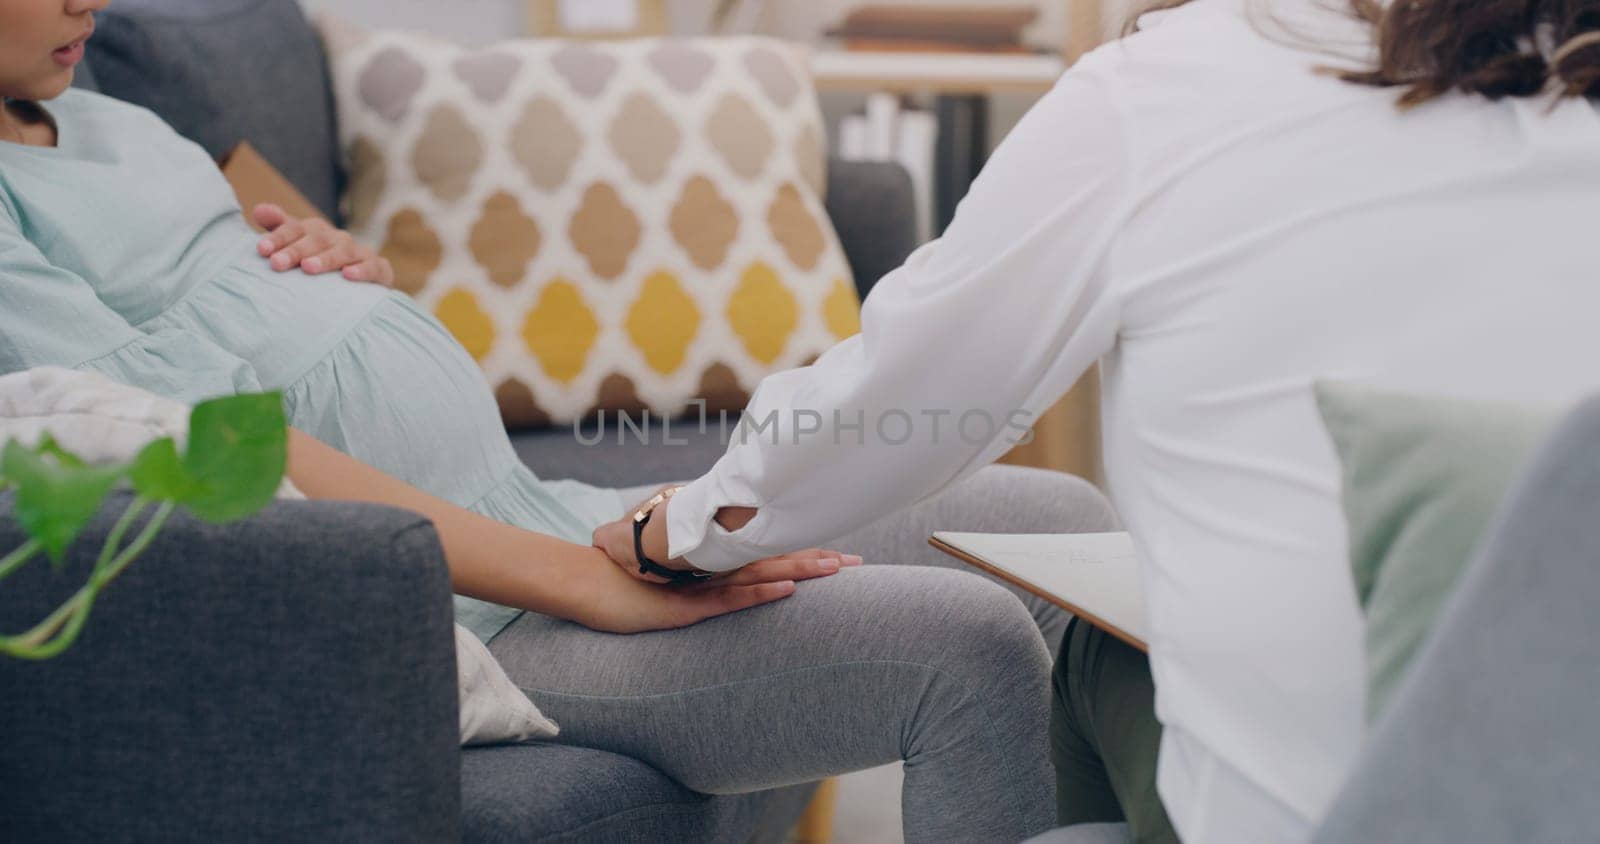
(1093, 575)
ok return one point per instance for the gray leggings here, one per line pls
(911, 657)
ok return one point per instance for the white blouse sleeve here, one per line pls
(960, 350)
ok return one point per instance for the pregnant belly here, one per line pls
(362, 369)
(283, 324)
(399, 393)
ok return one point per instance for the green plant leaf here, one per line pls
(56, 494)
(158, 473)
(238, 451)
(50, 448)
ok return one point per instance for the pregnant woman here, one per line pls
(123, 251)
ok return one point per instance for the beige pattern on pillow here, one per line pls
(619, 225)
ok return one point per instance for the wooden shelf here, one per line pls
(941, 73)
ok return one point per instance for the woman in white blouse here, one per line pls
(1219, 222)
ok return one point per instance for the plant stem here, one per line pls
(38, 642)
(15, 559)
(139, 544)
(42, 631)
(114, 539)
(75, 621)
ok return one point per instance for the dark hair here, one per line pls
(1494, 48)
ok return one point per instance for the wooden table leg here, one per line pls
(816, 825)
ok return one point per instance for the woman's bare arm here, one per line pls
(506, 565)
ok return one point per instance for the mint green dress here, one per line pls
(123, 251)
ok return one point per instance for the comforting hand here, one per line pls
(616, 540)
(610, 601)
(316, 247)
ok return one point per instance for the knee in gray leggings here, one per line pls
(996, 499)
(962, 622)
(923, 642)
(977, 723)
(1016, 499)
(976, 635)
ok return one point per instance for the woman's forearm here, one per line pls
(488, 560)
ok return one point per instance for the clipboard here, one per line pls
(1094, 576)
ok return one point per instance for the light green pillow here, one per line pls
(1423, 478)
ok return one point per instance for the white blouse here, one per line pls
(1219, 226)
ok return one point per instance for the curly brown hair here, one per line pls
(1493, 48)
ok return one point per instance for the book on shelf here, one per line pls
(914, 149)
(883, 124)
(959, 154)
(853, 138)
(960, 55)
(942, 28)
(889, 130)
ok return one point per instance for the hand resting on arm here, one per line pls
(616, 539)
(496, 562)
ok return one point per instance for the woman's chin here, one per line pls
(60, 86)
(46, 87)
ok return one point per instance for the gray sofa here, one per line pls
(292, 678)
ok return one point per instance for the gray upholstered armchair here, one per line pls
(1491, 737)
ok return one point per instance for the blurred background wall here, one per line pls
(485, 20)
(482, 21)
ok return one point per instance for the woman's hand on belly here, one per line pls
(316, 247)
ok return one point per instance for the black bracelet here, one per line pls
(651, 567)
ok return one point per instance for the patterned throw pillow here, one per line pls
(621, 226)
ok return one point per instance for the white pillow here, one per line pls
(493, 709)
(103, 421)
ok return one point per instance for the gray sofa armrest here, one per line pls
(874, 212)
(287, 678)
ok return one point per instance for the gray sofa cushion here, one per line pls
(871, 206)
(549, 793)
(225, 71)
(84, 77)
